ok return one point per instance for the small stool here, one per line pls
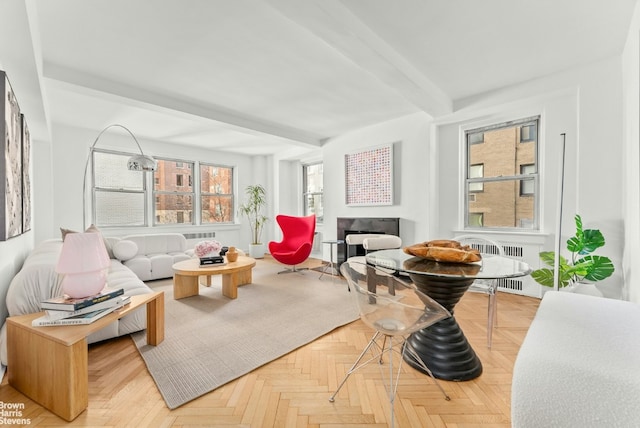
(331, 264)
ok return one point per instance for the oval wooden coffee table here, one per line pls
(234, 274)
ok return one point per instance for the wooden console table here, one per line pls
(50, 364)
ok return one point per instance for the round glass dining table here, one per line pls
(443, 346)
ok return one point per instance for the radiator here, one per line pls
(528, 253)
(199, 235)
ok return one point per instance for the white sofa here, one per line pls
(38, 280)
(579, 364)
(150, 256)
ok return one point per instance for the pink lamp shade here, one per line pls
(83, 260)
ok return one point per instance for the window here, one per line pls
(527, 186)
(216, 194)
(475, 219)
(312, 188)
(119, 195)
(174, 193)
(476, 138)
(503, 176)
(528, 133)
(476, 171)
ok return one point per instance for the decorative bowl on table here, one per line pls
(444, 250)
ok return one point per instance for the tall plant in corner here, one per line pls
(583, 266)
(252, 209)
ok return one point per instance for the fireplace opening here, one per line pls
(353, 225)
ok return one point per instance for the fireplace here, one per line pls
(352, 225)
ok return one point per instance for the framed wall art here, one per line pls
(26, 178)
(369, 176)
(10, 162)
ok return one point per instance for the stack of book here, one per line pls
(67, 311)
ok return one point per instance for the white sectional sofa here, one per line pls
(150, 256)
(579, 364)
(38, 280)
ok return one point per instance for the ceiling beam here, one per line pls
(337, 26)
(83, 83)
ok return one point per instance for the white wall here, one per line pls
(631, 158)
(69, 155)
(17, 60)
(585, 104)
(412, 165)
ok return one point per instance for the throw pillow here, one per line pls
(94, 229)
(64, 232)
(124, 250)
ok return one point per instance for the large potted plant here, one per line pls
(584, 267)
(252, 209)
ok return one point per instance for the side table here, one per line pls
(50, 364)
(331, 264)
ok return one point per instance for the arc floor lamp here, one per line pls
(136, 162)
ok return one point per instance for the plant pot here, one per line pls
(256, 251)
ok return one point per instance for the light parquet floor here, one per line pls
(293, 391)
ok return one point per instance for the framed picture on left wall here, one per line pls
(26, 177)
(10, 162)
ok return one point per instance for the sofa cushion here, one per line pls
(159, 243)
(140, 266)
(161, 265)
(157, 253)
(578, 365)
(125, 249)
(381, 242)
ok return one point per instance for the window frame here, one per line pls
(521, 187)
(518, 178)
(202, 194)
(306, 194)
(95, 190)
(530, 139)
(478, 186)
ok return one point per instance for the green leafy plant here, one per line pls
(583, 266)
(252, 209)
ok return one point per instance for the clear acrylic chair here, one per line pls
(394, 313)
(487, 286)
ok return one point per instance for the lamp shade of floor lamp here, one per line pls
(83, 262)
(138, 162)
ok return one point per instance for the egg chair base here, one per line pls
(293, 269)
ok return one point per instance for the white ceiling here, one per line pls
(260, 77)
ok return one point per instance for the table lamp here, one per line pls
(83, 262)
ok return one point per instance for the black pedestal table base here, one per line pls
(442, 346)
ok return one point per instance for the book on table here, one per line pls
(66, 303)
(86, 318)
(116, 301)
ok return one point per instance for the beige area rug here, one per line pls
(211, 340)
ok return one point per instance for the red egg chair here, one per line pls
(297, 241)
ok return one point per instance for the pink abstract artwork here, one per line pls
(369, 176)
